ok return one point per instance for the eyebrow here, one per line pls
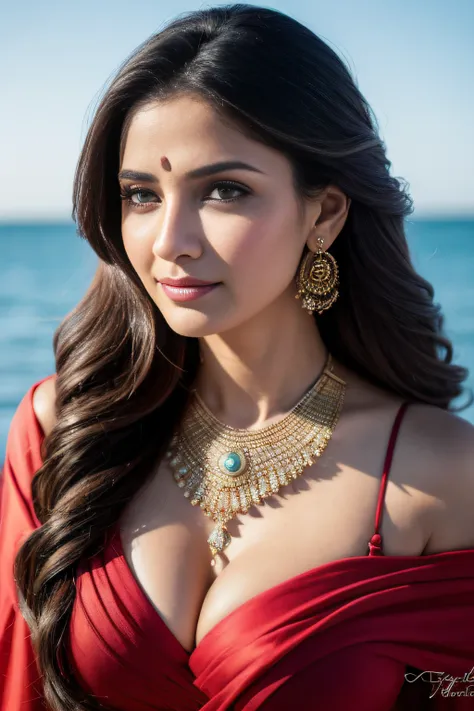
(204, 171)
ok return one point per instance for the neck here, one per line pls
(254, 374)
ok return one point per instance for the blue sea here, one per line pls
(45, 269)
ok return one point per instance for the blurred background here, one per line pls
(414, 62)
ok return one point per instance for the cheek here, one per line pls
(137, 242)
(264, 256)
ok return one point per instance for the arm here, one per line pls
(20, 681)
(442, 444)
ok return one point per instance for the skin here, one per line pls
(260, 352)
(249, 326)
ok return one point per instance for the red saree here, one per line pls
(337, 637)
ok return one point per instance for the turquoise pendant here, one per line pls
(232, 463)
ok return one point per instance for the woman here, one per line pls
(197, 511)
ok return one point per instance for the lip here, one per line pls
(186, 281)
(187, 293)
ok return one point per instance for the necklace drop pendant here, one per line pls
(219, 539)
(227, 470)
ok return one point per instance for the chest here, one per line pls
(326, 514)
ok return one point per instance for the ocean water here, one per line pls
(46, 268)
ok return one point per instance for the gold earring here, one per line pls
(317, 280)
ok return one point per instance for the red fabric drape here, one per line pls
(339, 636)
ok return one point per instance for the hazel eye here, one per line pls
(142, 192)
(128, 194)
(229, 187)
(147, 197)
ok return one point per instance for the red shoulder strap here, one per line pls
(375, 543)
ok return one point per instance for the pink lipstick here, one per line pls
(187, 288)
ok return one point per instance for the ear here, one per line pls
(330, 214)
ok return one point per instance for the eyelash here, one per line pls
(129, 191)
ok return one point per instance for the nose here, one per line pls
(177, 233)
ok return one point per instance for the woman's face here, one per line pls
(238, 227)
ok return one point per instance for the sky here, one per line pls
(412, 59)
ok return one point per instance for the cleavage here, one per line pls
(164, 542)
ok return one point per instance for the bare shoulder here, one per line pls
(440, 445)
(433, 465)
(44, 404)
(440, 441)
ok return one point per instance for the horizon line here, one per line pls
(65, 219)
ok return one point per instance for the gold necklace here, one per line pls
(226, 470)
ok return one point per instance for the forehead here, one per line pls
(190, 132)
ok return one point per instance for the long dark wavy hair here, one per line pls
(123, 376)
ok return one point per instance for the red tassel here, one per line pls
(375, 545)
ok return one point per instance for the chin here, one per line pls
(191, 324)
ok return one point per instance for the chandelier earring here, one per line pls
(318, 280)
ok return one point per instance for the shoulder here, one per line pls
(23, 456)
(444, 438)
(44, 403)
(432, 467)
(439, 446)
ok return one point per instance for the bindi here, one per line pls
(165, 163)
